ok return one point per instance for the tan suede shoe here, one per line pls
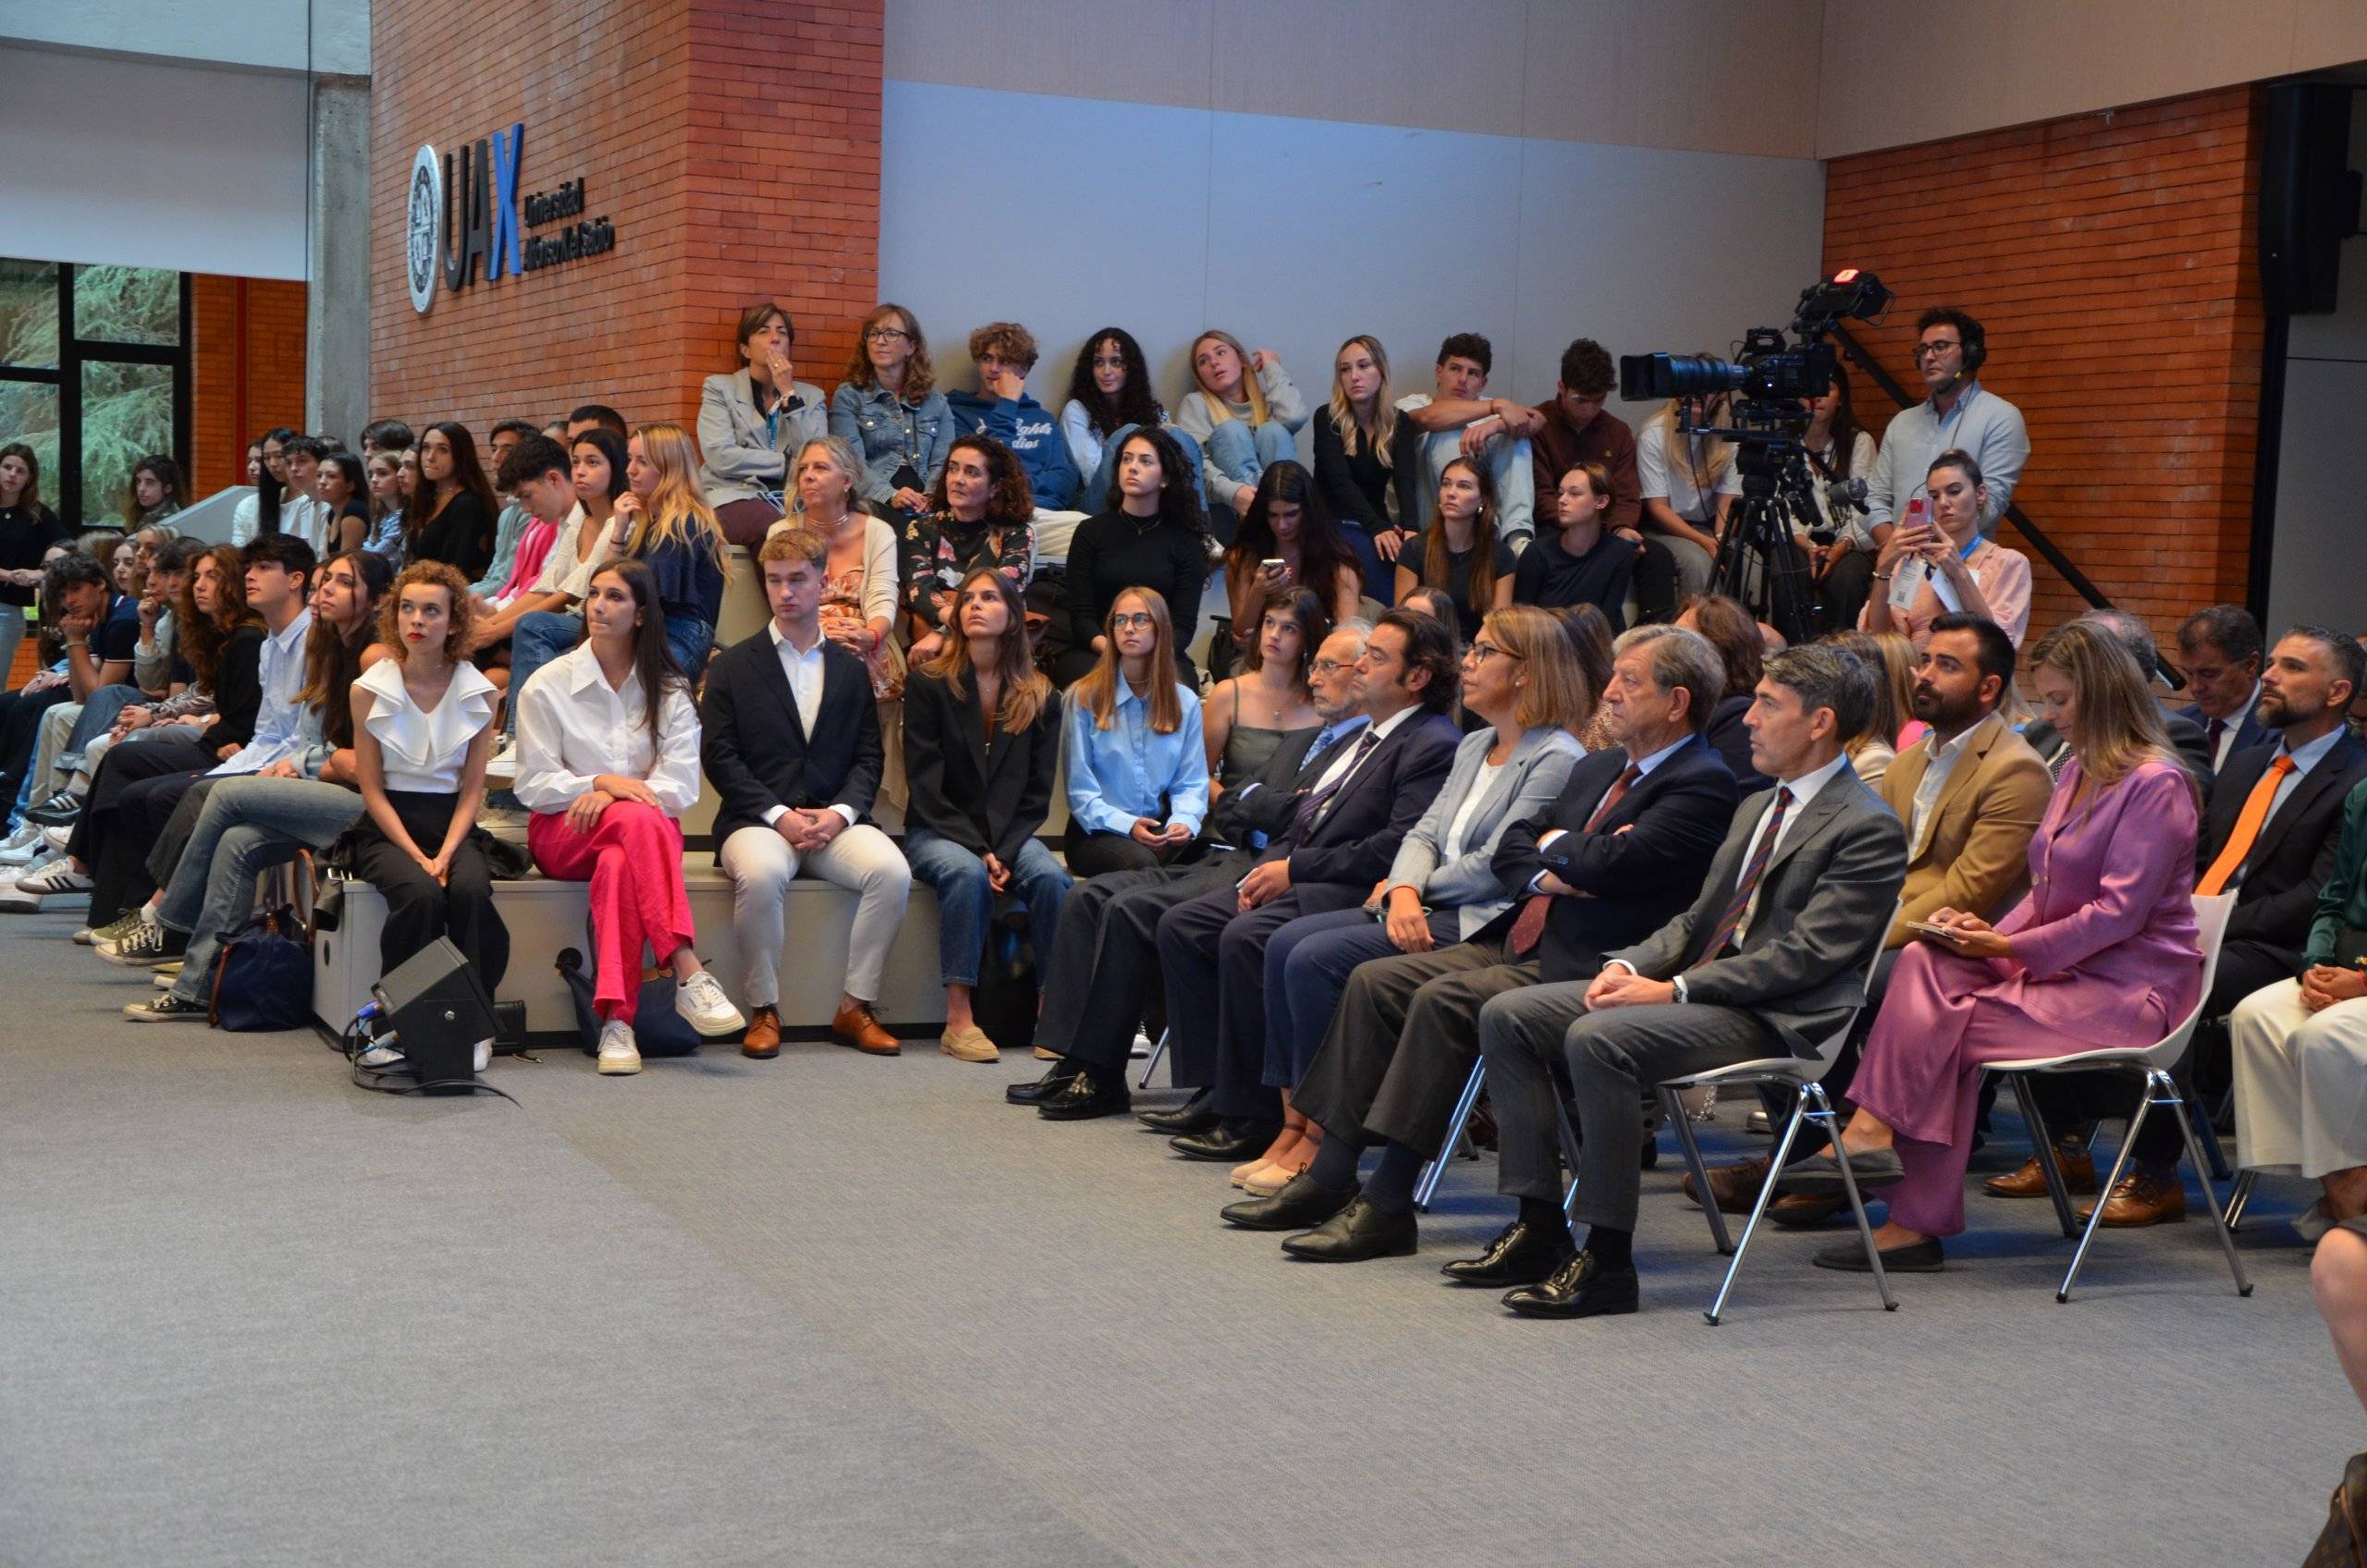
(968, 1045)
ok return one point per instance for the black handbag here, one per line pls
(263, 976)
(657, 1029)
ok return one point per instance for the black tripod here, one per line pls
(1758, 563)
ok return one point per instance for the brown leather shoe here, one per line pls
(1804, 1211)
(855, 1026)
(2029, 1182)
(1734, 1186)
(2141, 1200)
(762, 1038)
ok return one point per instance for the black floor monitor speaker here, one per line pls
(438, 1011)
(2308, 198)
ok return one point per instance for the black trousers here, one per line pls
(1099, 855)
(20, 728)
(418, 909)
(1104, 966)
(1655, 584)
(2071, 1099)
(132, 796)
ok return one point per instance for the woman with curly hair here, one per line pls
(888, 410)
(980, 514)
(1110, 399)
(1155, 537)
(423, 730)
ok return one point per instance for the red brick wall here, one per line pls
(734, 144)
(246, 371)
(2111, 259)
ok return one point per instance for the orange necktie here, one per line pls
(2247, 829)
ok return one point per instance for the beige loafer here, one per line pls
(968, 1045)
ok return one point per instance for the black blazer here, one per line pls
(2249, 731)
(1730, 738)
(1643, 864)
(237, 691)
(1266, 802)
(756, 751)
(2294, 855)
(983, 798)
(1354, 843)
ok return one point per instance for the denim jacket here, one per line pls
(887, 434)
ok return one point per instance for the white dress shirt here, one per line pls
(562, 573)
(804, 672)
(1935, 779)
(1346, 762)
(2233, 722)
(573, 727)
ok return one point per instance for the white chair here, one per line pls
(2152, 1065)
(1803, 1075)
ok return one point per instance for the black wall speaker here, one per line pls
(2308, 200)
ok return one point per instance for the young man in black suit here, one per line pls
(1342, 841)
(1623, 849)
(792, 743)
(1104, 964)
(2301, 779)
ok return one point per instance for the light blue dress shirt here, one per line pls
(1118, 775)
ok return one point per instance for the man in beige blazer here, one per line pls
(1970, 794)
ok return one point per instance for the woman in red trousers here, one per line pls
(607, 762)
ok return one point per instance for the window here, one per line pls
(93, 376)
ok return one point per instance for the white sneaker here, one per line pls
(57, 838)
(21, 847)
(619, 1052)
(483, 1057)
(503, 763)
(1140, 1050)
(379, 1058)
(704, 1007)
(57, 877)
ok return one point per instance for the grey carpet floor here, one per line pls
(829, 1309)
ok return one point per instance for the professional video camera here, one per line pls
(1767, 386)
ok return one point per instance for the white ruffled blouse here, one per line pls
(422, 752)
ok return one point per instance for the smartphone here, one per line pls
(1273, 564)
(1926, 928)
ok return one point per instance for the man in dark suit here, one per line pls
(2219, 653)
(1622, 850)
(1769, 961)
(2269, 837)
(1342, 841)
(1103, 969)
(792, 742)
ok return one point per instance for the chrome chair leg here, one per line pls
(1158, 1051)
(1673, 1110)
(2042, 1146)
(2209, 1136)
(1823, 1116)
(1766, 1195)
(2239, 1197)
(1569, 1152)
(2103, 1191)
(2194, 1152)
(1427, 1182)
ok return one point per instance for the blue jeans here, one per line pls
(1098, 484)
(965, 903)
(539, 637)
(691, 641)
(1244, 455)
(1307, 965)
(249, 825)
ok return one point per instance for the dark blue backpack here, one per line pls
(263, 976)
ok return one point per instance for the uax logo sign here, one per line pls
(462, 216)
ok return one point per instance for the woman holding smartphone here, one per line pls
(1947, 562)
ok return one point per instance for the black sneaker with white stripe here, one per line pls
(144, 945)
(165, 1008)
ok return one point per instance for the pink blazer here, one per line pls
(2104, 945)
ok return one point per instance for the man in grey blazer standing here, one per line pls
(1769, 961)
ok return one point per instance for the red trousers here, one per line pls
(633, 857)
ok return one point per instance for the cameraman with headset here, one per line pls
(1960, 413)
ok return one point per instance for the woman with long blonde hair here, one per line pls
(971, 823)
(2100, 955)
(1244, 412)
(662, 521)
(1358, 438)
(1138, 764)
(1890, 659)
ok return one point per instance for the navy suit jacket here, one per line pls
(1354, 842)
(755, 748)
(1641, 866)
(2294, 854)
(2251, 732)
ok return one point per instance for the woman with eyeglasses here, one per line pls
(1138, 769)
(888, 410)
(1521, 678)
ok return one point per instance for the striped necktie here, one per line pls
(1748, 886)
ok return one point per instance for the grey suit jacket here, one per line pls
(1525, 786)
(1824, 904)
(737, 458)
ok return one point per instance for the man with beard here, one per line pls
(2269, 837)
(1971, 794)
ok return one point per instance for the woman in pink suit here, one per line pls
(2101, 953)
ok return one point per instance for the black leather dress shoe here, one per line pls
(1925, 1256)
(1357, 1232)
(1036, 1091)
(1233, 1141)
(1085, 1096)
(1580, 1288)
(1300, 1206)
(1520, 1255)
(1192, 1116)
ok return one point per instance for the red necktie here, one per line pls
(1737, 905)
(1530, 925)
